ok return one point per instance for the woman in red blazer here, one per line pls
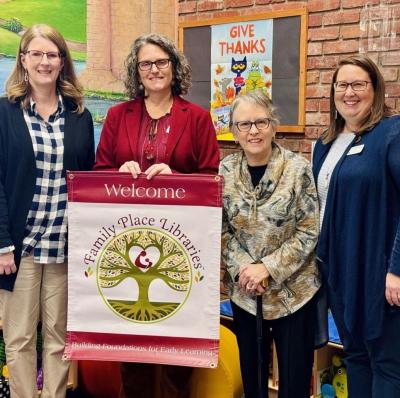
(157, 132)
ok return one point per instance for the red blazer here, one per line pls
(191, 148)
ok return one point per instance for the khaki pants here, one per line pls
(40, 291)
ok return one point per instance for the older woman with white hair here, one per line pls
(270, 229)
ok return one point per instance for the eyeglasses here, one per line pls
(358, 85)
(160, 63)
(245, 126)
(36, 55)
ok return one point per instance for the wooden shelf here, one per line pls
(271, 385)
(272, 392)
(73, 376)
(335, 345)
(322, 360)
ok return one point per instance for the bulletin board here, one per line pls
(286, 61)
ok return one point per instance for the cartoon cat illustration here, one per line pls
(238, 67)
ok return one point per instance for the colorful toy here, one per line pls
(327, 391)
(334, 380)
(4, 384)
(340, 383)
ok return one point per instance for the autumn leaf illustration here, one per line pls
(219, 69)
(267, 69)
(229, 93)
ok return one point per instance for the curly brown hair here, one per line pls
(182, 74)
(67, 83)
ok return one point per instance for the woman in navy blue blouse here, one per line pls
(357, 169)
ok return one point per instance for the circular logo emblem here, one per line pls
(144, 275)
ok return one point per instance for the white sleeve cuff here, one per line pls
(7, 249)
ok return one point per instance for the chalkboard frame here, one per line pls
(183, 28)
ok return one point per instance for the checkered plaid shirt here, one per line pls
(46, 226)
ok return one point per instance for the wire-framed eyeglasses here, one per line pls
(159, 63)
(357, 85)
(37, 55)
(245, 126)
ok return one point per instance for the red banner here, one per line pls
(143, 283)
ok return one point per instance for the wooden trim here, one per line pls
(243, 18)
(180, 37)
(290, 129)
(303, 68)
(303, 14)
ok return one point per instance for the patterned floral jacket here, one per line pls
(275, 223)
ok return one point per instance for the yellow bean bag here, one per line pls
(225, 381)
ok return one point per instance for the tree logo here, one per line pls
(145, 255)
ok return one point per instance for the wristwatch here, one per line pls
(7, 249)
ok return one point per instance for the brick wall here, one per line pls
(335, 28)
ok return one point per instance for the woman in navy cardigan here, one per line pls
(44, 130)
(357, 169)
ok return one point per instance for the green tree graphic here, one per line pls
(172, 267)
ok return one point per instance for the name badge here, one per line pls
(355, 149)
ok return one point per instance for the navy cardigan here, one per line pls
(18, 170)
(358, 244)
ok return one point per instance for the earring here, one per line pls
(26, 77)
(141, 88)
(336, 114)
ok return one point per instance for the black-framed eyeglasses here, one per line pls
(38, 55)
(245, 126)
(357, 85)
(159, 63)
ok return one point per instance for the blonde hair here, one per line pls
(68, 86)
(379, 109)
